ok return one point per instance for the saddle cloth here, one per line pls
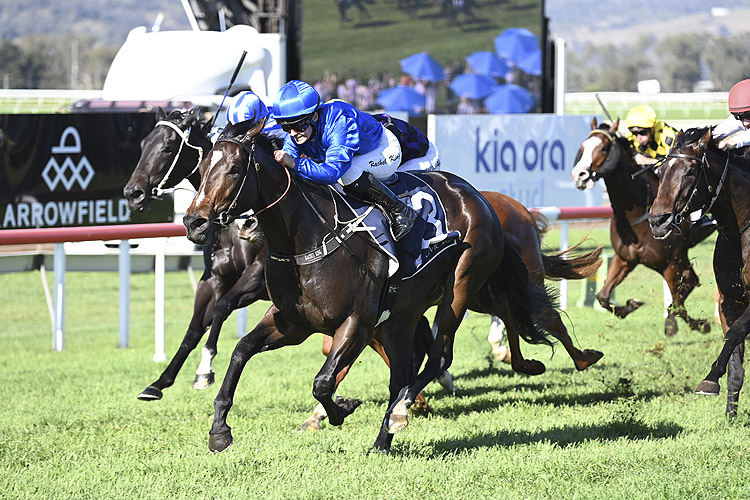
(429, 236)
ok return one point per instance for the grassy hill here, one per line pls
(365, 46)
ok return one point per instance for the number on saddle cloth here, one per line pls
(413, 142)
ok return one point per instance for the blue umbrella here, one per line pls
(515, 43)
(532, 63)
(401, 98)
(473, 86)
(422, 67)
(509, 98)
(487, 63)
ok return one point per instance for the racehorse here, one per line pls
(604, 155)
(234, 262)
(234, 267)
(698, 177)
(340, 293)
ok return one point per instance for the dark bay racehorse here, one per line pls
(234, 267)
(698, 176)
(234, 262)
(604, 155)
(340, 294)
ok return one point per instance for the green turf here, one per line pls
(628, 428)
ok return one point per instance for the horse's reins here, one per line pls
(184, 134)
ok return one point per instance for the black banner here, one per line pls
(69, 170)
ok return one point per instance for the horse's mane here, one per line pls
(689, 136)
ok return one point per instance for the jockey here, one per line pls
(248, 106)
(335, 142)
(651, 139)
(734, 132)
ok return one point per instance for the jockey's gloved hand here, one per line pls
(736, 140)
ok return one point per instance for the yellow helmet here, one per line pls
(642, 116)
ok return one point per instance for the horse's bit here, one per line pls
(184, 134)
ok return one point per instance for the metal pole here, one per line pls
(560, 76)
(159, 268)
(124, 267)
(58, 328)
(241, 322)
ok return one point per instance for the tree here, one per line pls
(728, 59)
(679, 60)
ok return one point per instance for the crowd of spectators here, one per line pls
(362, 92)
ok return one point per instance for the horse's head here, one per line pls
(160, 152)
(683, 188)
(595, 156)
(229, 181)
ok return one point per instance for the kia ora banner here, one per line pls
(69, 170)
(528, 157)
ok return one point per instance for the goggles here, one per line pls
(639, 131)
(745, 115)
(299, 125)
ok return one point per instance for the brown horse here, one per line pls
(604, 155)
(698, 177)
(339, 292)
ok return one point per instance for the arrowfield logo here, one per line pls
(69, 172)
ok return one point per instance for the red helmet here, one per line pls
(739, 97)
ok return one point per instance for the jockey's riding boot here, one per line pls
(700, 230)
(400, 215)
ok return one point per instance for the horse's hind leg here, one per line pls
(735, 379)
(582, 359)
(618, 270)
(204, 297)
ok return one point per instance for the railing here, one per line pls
(60, 235)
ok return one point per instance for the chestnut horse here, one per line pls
(338, 292)
(698, 177)
(605, 155)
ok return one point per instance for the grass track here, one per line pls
(627, 428)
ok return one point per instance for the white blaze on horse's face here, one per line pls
(216, 157)
(580, 173)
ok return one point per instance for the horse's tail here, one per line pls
(524, 299)
(570, 265)
(541, 222)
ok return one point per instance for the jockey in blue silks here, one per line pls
(248, 106)
(335, 142)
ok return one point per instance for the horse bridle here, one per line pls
(157, 191)
(225, 216)
(594, 176)
(678, 215)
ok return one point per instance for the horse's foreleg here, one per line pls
(267, 335)
(618, 270)
(733, 338)
(735, 379)
(681, 283)
(204, 298)
(247, 290)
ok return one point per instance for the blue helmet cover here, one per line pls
(246, 106)
(295, 99)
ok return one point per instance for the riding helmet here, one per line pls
(642, 116)
(739, 97)
(295, 99)
(246, 106)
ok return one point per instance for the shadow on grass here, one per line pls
(561, 436)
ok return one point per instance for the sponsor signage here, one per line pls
(527, 157)
(69, 170)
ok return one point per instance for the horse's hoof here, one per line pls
(397, 423)
(530, 367)
(220, 442)
(379, 451)
(311, 424)
(348, 405)
(397, 417)
(590, 357)
(708, 388)
(150, 393)
(203, 381)
(445, 379)
(634, 304)
(502, 353)
(420, 408)
(704, 326)
(670, 327)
